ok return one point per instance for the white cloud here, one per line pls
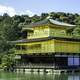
(27, 12)
(6, 9)
(11, 11)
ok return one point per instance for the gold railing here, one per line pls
(20, 52)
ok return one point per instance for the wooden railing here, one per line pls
(35, 66)
(44, 66)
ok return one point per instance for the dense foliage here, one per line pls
(10, 28)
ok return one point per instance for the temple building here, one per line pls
(50, 43)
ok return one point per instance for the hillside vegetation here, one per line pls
(10, 30)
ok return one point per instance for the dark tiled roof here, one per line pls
(51, 21)
(33, 40)
(46, 39)
(43, 22)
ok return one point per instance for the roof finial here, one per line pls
(49, 17)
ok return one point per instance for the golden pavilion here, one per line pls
(50, 43)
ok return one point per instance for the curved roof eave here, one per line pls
(61, 23)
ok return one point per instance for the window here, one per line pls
(73, 61)
(23, 47)
(18, 47)
(62, 32)
(24, 34)
(30, 34)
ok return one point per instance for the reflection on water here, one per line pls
(32, 76)
(74, 77)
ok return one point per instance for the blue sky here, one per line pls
(32, 7)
